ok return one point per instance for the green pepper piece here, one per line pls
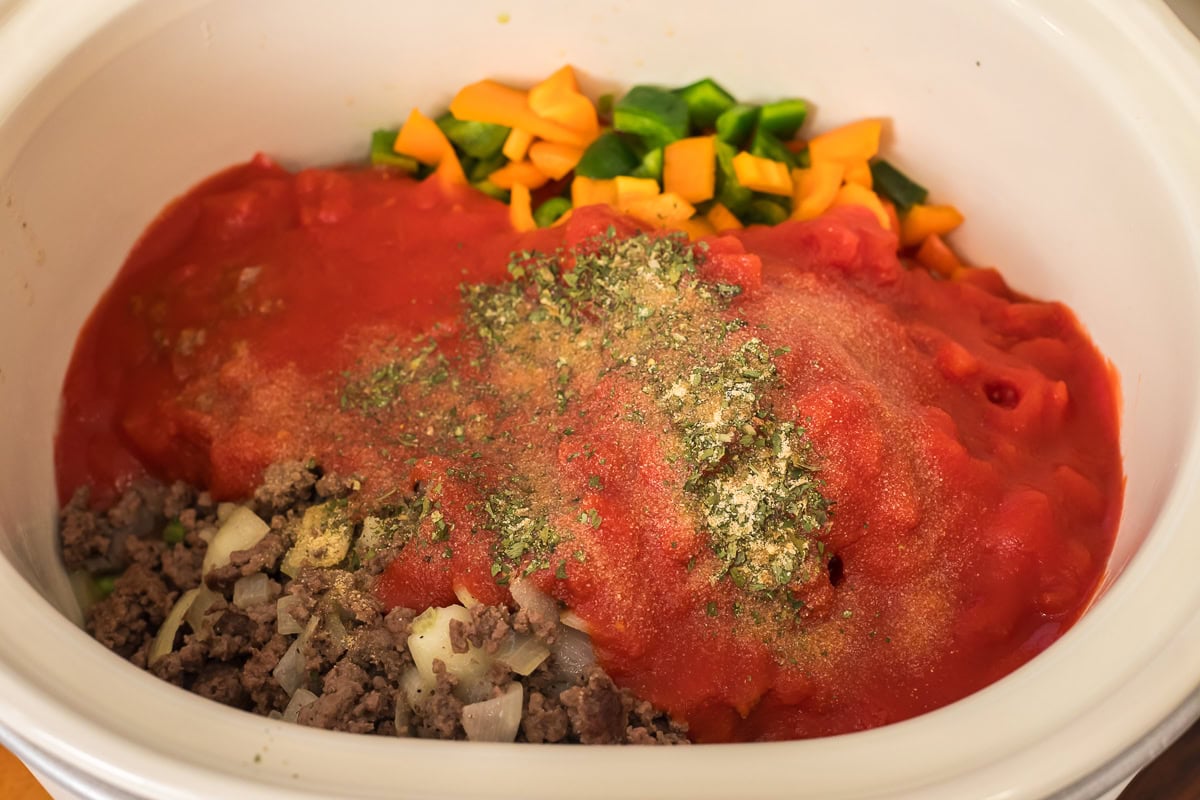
(607, 157)
(382, 154)
(729, 192)
(706, 100)
(548, 212)
(657, 116)
(803, 159)
(475, 139)
(783, 118)
(104, 585)
(735, 124)
(765, 145)
(174, 532)
(651, 166)
(491, 190)
(896, 186)
(766, 211)
(478, 170)
(604, 105)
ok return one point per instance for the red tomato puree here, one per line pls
(966, 437)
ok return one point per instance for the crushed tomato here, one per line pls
(967, 437)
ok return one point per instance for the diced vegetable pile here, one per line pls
(692, 159)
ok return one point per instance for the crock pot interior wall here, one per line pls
(991, 118)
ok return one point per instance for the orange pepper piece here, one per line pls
(695, 228)
(423, 140)
(690, 168)
(859, 172)
(489, 101)
(520, 208)
(555, 159)
(923, 221)
(593, 191)
(815, 189)
(937, 256)
(660, 210)
(858, 141)
(518, 172)
(516, 146)
(762, 174)
(854, 195)
(722, 219)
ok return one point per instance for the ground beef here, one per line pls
(152, 542)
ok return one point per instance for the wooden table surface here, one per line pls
(1174, 776)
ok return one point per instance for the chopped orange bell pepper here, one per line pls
(858, 172)
(489, 101)
(520, 209)
(422, 139)
(762, 174)
(695, 228)
(854, 195)
(937, 256)
(631, 190)
(518, 172)
(722, 219)
(558, 98)
(690, 168)
(815, 189)
(555, 159)
(593, 191)
(893, 218)
(661, 210)
(516, 146)
(858, 141)
(923, 221)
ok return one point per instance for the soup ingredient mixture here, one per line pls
(444, 474)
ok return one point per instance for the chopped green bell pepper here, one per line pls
(548, 212)
(896, 186)
(657, 116)
(706, 101)
(735, 124)
(382, 154)
(783, 118)
(607, 157)
(475, 139)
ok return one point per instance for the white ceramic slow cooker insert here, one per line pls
(1066, 131)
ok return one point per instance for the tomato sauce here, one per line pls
(967, 437)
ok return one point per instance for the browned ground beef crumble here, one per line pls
(230, 658)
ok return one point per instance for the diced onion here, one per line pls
(290, 671)
(522, 653)
(533, 601)
(573, 654)
(403, 713)
(240, 531)
(430, 640)
(200, 606)
(337, 633)
(164, 642)
(412, 687)
(495, 720)
(252, 590)
(83, 586)
(300, 699)
(465, 597)
(285, 622)
(573, 620)
(224, 510)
